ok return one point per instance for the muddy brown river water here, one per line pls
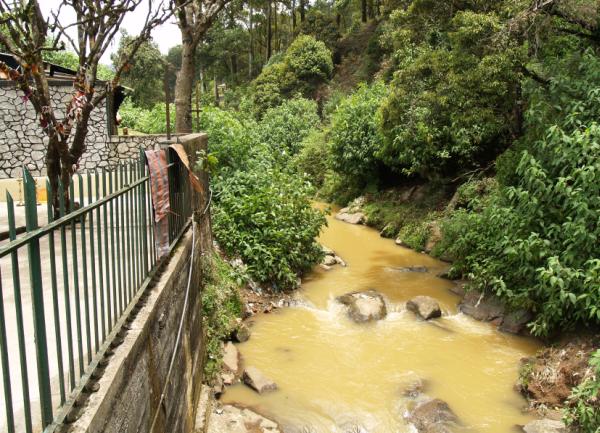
(338, 376)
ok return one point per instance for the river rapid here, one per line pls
(335, 375)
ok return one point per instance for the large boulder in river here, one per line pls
(482, 306)
(364, 306)
(433, 416)
(545, 426)
(425, 307)
(256, 380)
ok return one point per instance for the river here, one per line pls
(338, 376)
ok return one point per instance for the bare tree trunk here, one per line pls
(53, 170)
(302, 10)
(183, 88)
(251, 50)
(276, 29)
(363, 11)
(293, 15)
(269, 31)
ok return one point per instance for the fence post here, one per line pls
(37, 295)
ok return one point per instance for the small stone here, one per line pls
(340, 262)
(545, 426)
(231, 358)
(228, 378)
(327, 251)
(400, 242)
(433, 416)
(242, 333)
(256, 380)
(325, 267)
(425, 307)
(329, 261)
(516, 321)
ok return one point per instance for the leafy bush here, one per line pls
(309, 59)
(306, 64)
(148, 121)
(313, 158)
(321, 26)
(221, 305)
(583, 410)
(354, 137)
(274, 84)
(452, 99)
(537, 245)
(265, 216)
(230, 140)
(284, 127)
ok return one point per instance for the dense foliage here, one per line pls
(537, 244)
(354, 137)
(583, 410)
(148, 121)
(283, 128)
(306, 64)
(262, 211)
(265, 217)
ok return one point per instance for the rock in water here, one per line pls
(433, 416)
(425, 307)
(516, 321)
(329, 260)
(230, 419)
(254, 378)
(231, 358)
(242, 333)
(364, 306)
(545, 426)
(352, 218)
(483, 307)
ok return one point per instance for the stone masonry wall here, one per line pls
(23, 143)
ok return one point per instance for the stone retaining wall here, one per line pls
(23, 143)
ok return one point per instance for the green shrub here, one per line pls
(274, 84)
(284, 127)
(322, 27)
(583, 405)
(230, 139)
(265, 216)
(451, 101)
(304, 66)
(148, 121)
(537, 245)
(354, 137)
(309, 59)
(221, 305)
(312, 160)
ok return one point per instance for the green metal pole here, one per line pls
(37, 294)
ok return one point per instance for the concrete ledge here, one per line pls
(130, 387)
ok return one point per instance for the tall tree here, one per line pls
(194, 18)
(26, 37)
(144, 73)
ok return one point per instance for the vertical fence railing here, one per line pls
(68, 283)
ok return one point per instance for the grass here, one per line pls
(221, 306)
